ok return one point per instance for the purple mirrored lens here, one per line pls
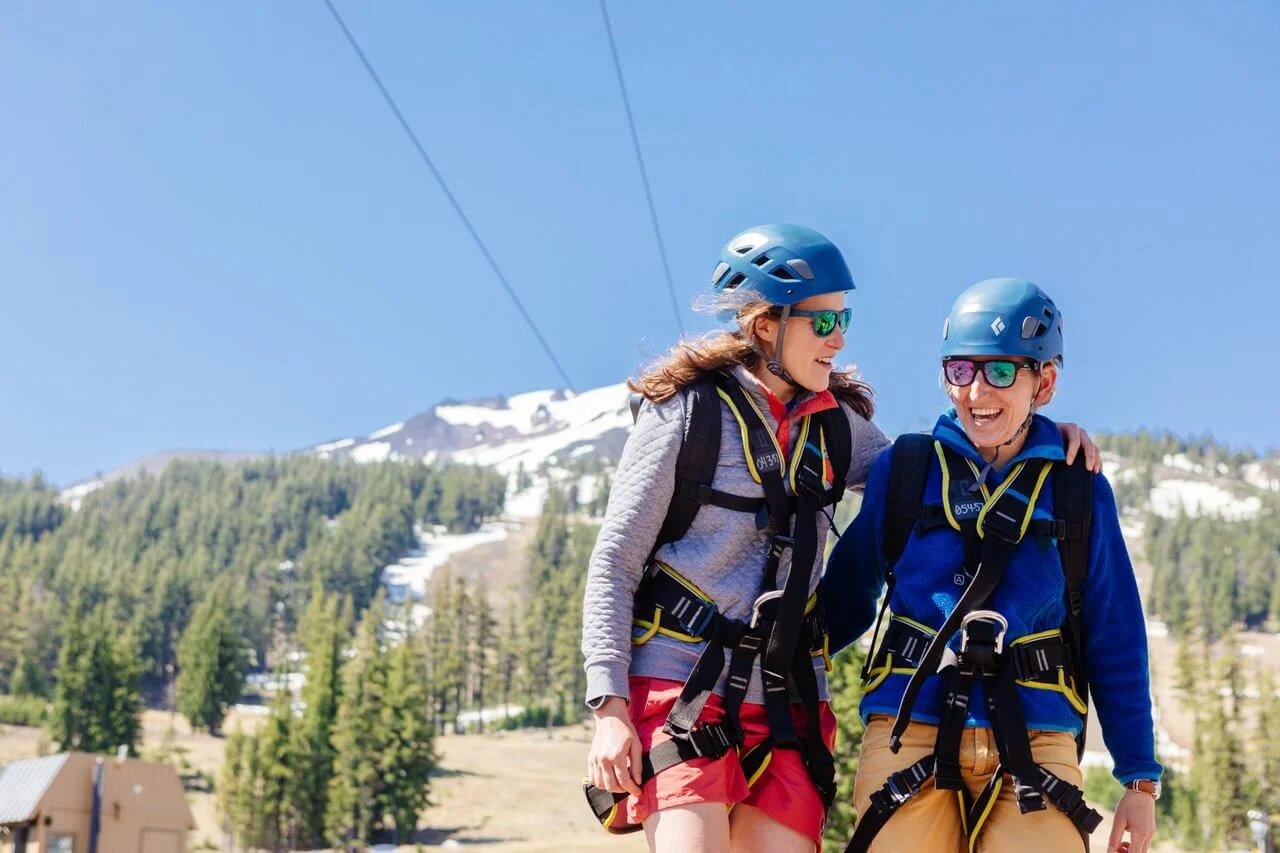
(959, 372)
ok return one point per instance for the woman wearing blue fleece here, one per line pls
(971, 696)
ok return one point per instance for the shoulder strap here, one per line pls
(696, 464)
(1073, 505)
(839, 440)
(908, 472)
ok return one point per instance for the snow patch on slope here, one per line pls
(408, 577)
(1170, 497)
(386, 431)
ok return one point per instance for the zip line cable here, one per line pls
(644, 175)
(457, 208)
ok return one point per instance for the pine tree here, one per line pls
(462, 643)
(29, 677)
(446, 655)
(247, 796)
(95, 703)
(275, 763)
(600, 500)
(211, 663)
(509, 656)
(228, 786)
(1222, 791)
(323, 631)
(486, 652)
(359, 738)
(1266, 743)
(407, 757)
(1185, 674)
(1229, 673)
(844, 683)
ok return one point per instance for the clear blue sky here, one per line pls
(213, 233)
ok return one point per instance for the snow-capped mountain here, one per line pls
(524, 431)
(539, 432)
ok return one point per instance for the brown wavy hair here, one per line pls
(694, 357)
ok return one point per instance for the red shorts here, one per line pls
(783, 790)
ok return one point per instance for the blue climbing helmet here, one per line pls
(783, 263)
(1004, 316)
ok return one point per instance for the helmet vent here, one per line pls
(1048, 313)
(735, 281)
(1032, 327)
(744, 249)
(783, 273)
(721, 269)
(800, 266)
(761, 261)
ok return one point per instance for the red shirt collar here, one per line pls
(811, 405)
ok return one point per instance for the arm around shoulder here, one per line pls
(855, 573)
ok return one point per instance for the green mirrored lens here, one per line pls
(1000, 373)
(824, 323)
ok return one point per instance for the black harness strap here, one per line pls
(899, 789)
(994, 557)
(1073, 503)
(696, 463)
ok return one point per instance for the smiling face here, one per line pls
(992, 416)
(807, 357)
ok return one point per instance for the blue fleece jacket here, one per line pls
(1030, 595)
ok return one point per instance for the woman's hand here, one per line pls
(1136, 814)
(1077, 439)
(613, 764)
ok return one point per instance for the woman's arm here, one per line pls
(855, 572)
(1115, 646)
(638, 501)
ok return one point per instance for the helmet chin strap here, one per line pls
(774, 363)
(990, 466)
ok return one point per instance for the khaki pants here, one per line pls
(931, 822)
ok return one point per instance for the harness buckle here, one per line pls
(898, 789)
(780, 541)
(710, 741)
(1006, 529)
(706, 616)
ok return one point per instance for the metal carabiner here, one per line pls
(988, 616)
(755, 608)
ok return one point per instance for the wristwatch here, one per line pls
(1146, 786)
(598, 702)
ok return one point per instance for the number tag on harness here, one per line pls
(766, 462)
(965, 498)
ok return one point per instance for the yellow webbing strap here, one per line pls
(986, 812)
(742, 425)
(876, 676)
(1061, 686)
(654, 627)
